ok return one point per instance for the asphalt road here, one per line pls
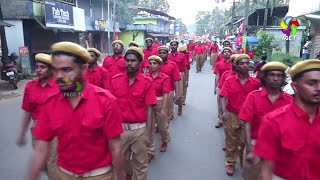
(194, 152)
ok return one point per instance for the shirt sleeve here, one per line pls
(166, 85)
(216, 69)
(224, 91)
(106, 79)
(176, 73)
(42, 129)
(268, 143)
(104, 65)
(27, 99)
(247, 109)
(113, 120)
(222, 80)
(151, 98)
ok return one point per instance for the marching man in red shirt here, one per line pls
(225, 43)
(114, 64)
(288, 139)
(36, 92)
(228, 73)
(190, 46)
(161, 82)
(147, 52)
(234, 93)
(257, 104)
(214, 49)
(220, 68)
(95, 74)
(85, 119)
(171, 69)
(181, 61)
(136, 97)
(188, 55)
(199, 51)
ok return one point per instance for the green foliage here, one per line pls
(159, 5)
(266, 43)
(210, 21)
(284, 58)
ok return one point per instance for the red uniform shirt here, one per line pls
(180, 59)
(35, 95)
(156, 45)
(199, 49)
(190, 46)
(214, 48)
(225, 76)
(133, 99)
(98, 76)
(171, 69)
(236, 93)
(114, 66)
(220, 57)
(147, 53)
(287, 137)
(188, 57)
(257, 105)
(161, 83)
(222, 67)
(83, 132)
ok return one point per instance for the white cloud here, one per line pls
(188, 9)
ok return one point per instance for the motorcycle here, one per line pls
(10, 73)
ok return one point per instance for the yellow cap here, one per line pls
(138, 50)
(155, 58)
(174, 41)
(163, 48)
(226, 41)
(182, 48)
(274, 65)
(303, 66)
(233, 57)
(227, 48)
(44, 58)
(241, 56)
(148, 39)
(72, 48)
(96, 51)
(117, 41)
(134, 43)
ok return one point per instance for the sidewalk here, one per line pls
(6, 90)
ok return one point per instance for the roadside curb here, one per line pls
(6, 92)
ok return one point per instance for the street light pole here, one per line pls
(246, 15)
(114, 19)
(109, 43)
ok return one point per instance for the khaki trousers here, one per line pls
(182, 86)
(162, 123)
(170, 105)
(185, 88)
(51, 165)
(64, 176)
(251, 171)
(213, 59)
(198, 58)
(234, 140)
(219, 110)
(133, 143)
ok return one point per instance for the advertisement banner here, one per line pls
(79, 19)
(59, 15)
(24, 59)
(244, 42)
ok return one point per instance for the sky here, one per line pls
(188, 9)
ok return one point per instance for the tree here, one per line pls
(124, 13)
(159, 5)
(4, 45)
(210, 22)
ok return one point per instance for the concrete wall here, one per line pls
(146, 21)
(14, 35)
(295, 42)
(315, 32)
(16, 9)
(97, 8)
(126, 37)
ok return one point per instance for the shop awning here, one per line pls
(5, 24)
(159, 35)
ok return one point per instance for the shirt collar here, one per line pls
(121, 56)
(51, 82)
(264, 92)
(300, 113)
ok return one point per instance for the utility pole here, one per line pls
(4, 45)
(109, 43)
(265, 19)
(232, 17)
(246, 15)
(114, 19)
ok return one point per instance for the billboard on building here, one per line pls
(79, 19)
(59, 15)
